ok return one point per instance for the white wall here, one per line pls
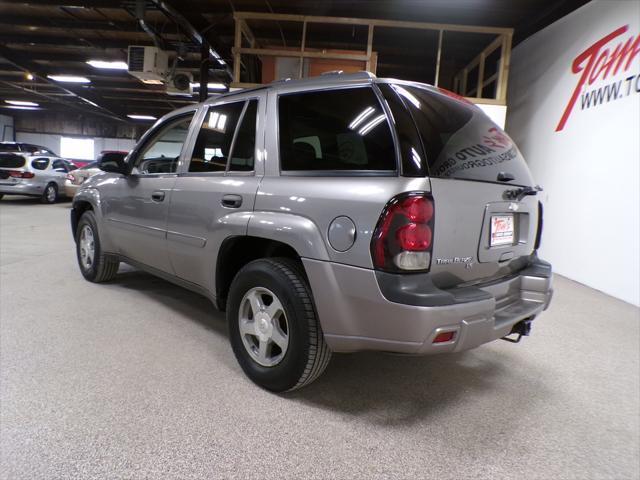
(589, 167)
(52, 141)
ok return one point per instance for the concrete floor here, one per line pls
(136, 379)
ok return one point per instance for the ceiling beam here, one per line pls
(55, 22)
(36, 70)
(68, 41)
(194, 33)
(66, 104)
(71, 3)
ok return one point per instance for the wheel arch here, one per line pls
(237, 251)
(84, 200)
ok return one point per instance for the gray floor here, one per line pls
(136, 379)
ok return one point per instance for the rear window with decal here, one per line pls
(460, 141)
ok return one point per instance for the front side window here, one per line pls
(161, 152)
(341, 130)
(70, 166)
(59, 164)
(213, 144)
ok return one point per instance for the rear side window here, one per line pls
(40, 163)
(213, 144)
(11, 161)
(460, 141)
(341, 130)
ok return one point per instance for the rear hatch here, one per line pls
(485, 223)
(12, 166)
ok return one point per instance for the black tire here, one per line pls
(307, 354)
(47, 196)
(103, 268)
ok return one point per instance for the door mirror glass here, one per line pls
(112, 162)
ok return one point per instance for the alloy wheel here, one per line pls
(263, 326)
(87, 247)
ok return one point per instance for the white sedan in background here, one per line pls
(78, 177)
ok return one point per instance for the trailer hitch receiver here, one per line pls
(522, 329)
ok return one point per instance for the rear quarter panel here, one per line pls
(319, 200)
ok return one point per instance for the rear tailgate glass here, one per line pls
(460, 141)
(8, 160)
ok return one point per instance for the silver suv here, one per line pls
(333, 214)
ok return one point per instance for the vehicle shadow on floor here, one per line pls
(386, 389)
(379, 388)
(184, 302)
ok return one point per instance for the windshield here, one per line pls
(460, 141)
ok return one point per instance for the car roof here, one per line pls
(335, 79)
(329, 79)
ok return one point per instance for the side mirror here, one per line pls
(113, 162)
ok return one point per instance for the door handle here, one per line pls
(157, 196)
(231, 201)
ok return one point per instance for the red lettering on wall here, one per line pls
(597, 62)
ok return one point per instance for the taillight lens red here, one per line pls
(403, 237)
(418, 209)
(414, 237)
(17, 174)
(70, 177)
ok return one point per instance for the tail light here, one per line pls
(70, 177)
(17, 174)
(403, 238)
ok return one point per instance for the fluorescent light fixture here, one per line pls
(217, 121)
(361, 117)
(210, 86)
(371, 125)
(20, 107)
(116, 65)
(142, 117)
(22, 103)
(69, 78)
(90, 102)
(151, 82)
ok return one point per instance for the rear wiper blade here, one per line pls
(519, 193)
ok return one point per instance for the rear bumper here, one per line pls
(22, 188)
(355, 314)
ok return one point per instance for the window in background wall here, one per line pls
(76, 148)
